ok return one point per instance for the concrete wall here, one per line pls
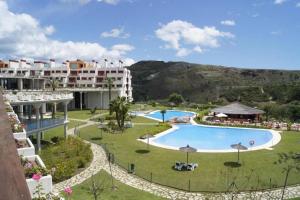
(93, 99)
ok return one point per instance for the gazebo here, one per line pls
(239, 111)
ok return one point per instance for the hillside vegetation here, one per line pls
(277, 91)
(154, 80)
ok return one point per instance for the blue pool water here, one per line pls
(213, 138)
(208, 137)
(170, 114)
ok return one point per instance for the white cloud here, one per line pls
(115, 33)
(278, 2)
(21, 35)
(111, 2)
(82, 2)
(298, 5)
(275, 32)
(228, 22)
(181, 36)
(183, 52)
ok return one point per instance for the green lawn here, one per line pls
(123, 192)
(213, 173)
(59, 131)
(143, 120)
(81, 114)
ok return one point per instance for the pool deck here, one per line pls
(276, 137)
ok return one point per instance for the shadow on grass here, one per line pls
(142, 151)
(232, 164)
(96, 138)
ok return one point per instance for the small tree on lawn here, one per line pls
(120, 107)
(290, 161)
(176, 99)
(96, 188)
(163, 112)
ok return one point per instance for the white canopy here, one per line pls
(221, 115)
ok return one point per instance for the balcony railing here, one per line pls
(32, 125)
(20, 97)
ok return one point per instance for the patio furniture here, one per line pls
(181, 166)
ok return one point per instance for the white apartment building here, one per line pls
(87, 80)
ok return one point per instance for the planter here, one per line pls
(26, 151)
(20, 135)
(45, 181)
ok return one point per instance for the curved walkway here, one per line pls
(100, 162)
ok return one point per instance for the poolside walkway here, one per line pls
(100, 162)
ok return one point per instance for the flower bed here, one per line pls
(25, 147)
(67, 157)
(33, 167)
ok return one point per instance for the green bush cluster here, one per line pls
(66, 157)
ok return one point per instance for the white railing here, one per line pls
(28, 96)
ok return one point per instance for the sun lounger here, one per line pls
(180, 166)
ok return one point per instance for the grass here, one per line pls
(143, 120)
(81, 114)
(59, 131)
(214, 172)
(123, 192)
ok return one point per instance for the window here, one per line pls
(46, 73)
(83, 78)
(85, 72)
(121, 72)
(74, 73)
(73, 66)
(113, 72)
(58, 71)
(65, 71)
(92, 71)
(78, 78)
(100, 73)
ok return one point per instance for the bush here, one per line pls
(66, 157)
(93, 110)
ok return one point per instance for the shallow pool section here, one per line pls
(207, 138)
(170, 114)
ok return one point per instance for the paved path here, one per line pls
(100, 162)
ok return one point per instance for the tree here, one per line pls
(176, 99)
(120, 107)
(54, 84)
(290, 162)
(163, 112)
(95, 188)
(268, 108)
(109, 83)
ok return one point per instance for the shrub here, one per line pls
(66, 157)
(93, 110)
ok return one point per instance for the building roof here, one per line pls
(237, 109)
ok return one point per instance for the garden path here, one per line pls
(100, 162)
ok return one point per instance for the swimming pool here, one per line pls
(170, 114)
(211, 138)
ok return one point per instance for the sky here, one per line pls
(238, 33)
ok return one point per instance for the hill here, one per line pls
(155, 80)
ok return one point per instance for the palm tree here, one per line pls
(163, 112)
(54, 84)
(120, 107)
(109, 83)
